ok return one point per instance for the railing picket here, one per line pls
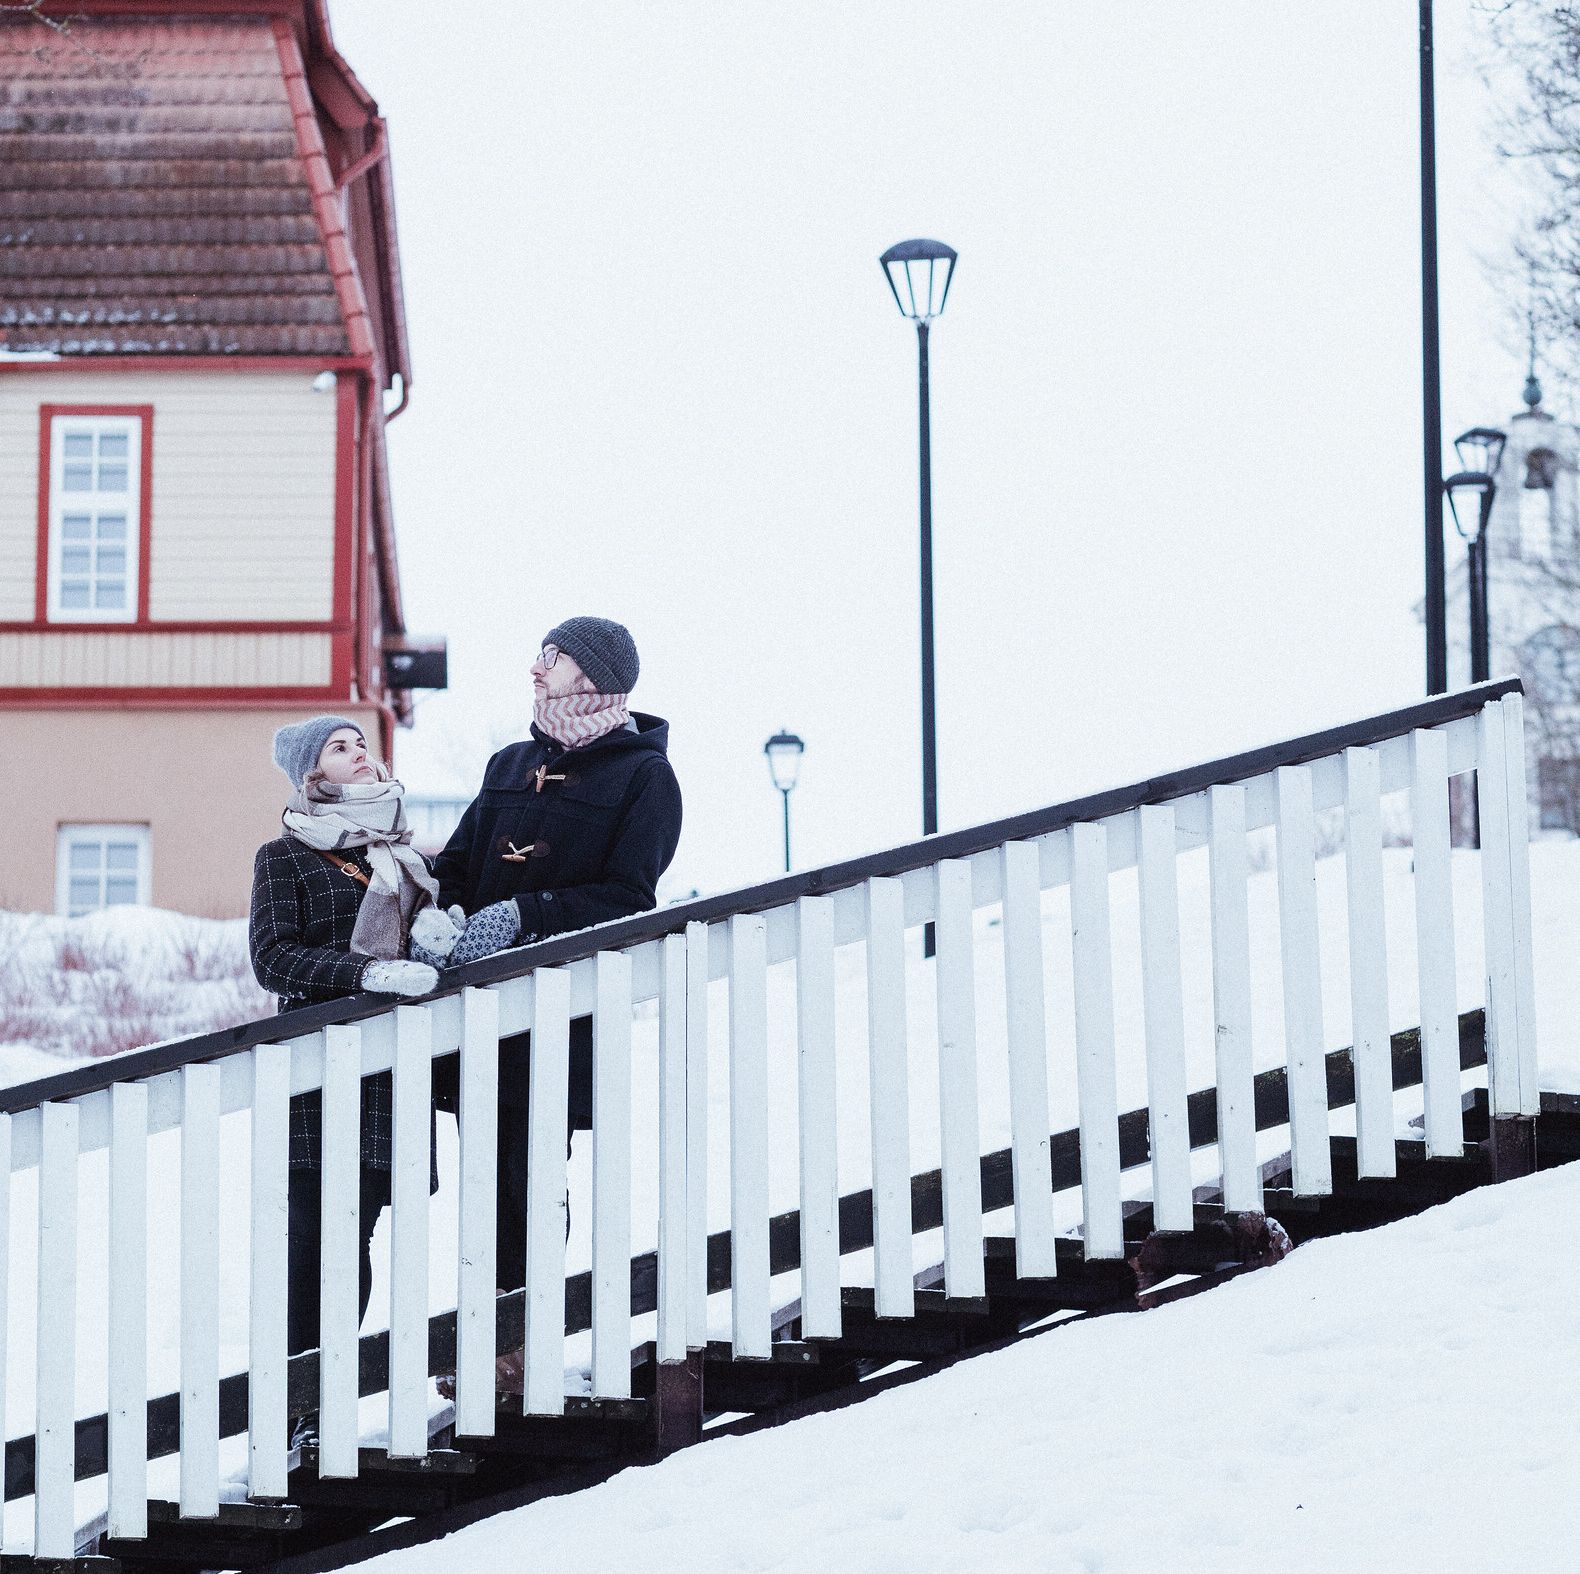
(815, 1007)
(408, 1368)
(672, 1218)
(544, 1389)
(1162, 994)
(478, 1204)
(1520, 899)
(889, 1099)
(697, 974)
(1502, 1014)
(54, 1461)
(1231, 994)
(1368, 949)
(267, 1454)
(1027, 1034)
(339, 1310)
(752, 1312)
(128, 1344)
(1302, 963)
(1434, 928)
(1101, 1211)
(959, 1126)
(5, 1281)
(200, 1291)
(611, 1245)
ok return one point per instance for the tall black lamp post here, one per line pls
(784, 751)
(1470, 496)
(1431, 382)
(919, 272)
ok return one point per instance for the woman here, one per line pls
(335, 903)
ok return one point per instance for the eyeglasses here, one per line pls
(548, 656)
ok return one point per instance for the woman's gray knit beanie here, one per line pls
(603, 649)
(297, 747)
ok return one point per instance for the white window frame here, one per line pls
(69, 836)
(62, 503)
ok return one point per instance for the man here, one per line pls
(572, 827)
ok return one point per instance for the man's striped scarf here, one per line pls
(576, 720)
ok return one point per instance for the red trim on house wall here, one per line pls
(189, 626)
(367, 573)
(212, 7)
(163, 699)
(41, 538)
(346, 454)
(145, 523)
(191, 363)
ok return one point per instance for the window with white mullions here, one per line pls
(99, 866)
(94, 511)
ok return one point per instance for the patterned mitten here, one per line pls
(488, 930)
(400, 978)
(434, 933)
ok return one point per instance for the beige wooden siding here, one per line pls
(243, 489)
(89, 659)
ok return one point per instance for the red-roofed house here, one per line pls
(201, 325)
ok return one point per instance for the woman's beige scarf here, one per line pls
(331, 818)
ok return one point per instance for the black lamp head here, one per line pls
(919, 272)
(784, 751)
(1480, 450)
(1466, 494)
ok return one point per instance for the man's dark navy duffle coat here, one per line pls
(597, 827)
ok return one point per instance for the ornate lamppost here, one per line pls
(784, 751)
(919, 273)
(1470, 495)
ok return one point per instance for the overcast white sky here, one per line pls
(1176, 393)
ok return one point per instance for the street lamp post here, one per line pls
(919, 273)
(1431, 381)
(1470, 496)
(784, 751)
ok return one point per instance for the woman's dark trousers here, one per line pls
(304, 1208)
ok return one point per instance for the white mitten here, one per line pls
(400, 978)
(436, 931)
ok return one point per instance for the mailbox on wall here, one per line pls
(417, 664)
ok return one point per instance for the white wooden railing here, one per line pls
(844, 1063)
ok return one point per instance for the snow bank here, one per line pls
(1399, 1399)
(120, 979)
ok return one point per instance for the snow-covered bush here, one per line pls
(121, 979)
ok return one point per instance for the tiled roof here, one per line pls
(157, 195)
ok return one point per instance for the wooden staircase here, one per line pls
(1149, 1231)
(392, 1503)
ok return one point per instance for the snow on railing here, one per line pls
(101, 1308)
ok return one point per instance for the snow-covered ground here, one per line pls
(1402, 1400)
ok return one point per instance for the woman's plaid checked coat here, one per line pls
(303, 912)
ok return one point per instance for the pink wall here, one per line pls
(203, 781)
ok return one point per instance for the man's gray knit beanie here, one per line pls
(297, 747)
(604, 650)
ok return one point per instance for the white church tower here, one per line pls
(1533, 572)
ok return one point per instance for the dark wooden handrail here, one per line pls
(583, 943)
